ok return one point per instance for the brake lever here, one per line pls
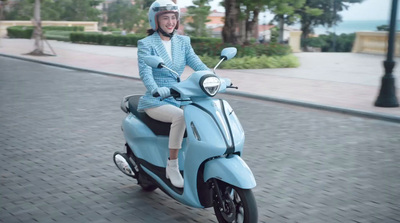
(231, 86)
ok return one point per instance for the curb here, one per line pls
(68, 67)
(354, 112)
(359, 113)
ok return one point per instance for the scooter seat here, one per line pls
(157, 127)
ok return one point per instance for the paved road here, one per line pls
(345, 82)
(59, 129)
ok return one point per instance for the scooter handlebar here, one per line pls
(172, 93)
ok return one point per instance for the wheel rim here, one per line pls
(229, 211)
(239, 207)
(234, 210)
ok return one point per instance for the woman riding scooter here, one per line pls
(177, 52)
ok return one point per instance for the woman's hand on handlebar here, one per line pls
(164, 92)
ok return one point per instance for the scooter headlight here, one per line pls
(210, 84)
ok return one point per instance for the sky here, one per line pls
(367, 10)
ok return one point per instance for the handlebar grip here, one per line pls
(156, 94)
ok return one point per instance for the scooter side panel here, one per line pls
(206, 127)
(189, 196)
(210, 144)
(144, 143)
(232, 170)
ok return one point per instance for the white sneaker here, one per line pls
(172, 173)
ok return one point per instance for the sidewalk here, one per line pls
(344, 82)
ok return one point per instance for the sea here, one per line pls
(352, 26)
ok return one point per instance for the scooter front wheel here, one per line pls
(239, 205)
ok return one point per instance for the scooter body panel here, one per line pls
(211, 150)
(217, 124)
(211, 119)
(148, 146)
(154, 149)
(232, 170)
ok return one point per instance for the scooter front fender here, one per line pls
(232, 170)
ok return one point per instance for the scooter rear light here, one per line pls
(210, 84)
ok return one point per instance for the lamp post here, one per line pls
(387, 95)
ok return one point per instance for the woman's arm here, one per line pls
(192, 60)
(145, 71)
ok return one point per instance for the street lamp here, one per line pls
(387, 95)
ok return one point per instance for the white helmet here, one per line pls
(160, 7)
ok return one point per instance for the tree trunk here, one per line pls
(231, 22)
(242, 31)
(251, 26)
(281, 28)
(306, 30)
(37, 32)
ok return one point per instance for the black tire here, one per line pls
(146, 182)
(242, 205)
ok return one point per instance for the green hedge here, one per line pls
(58, 35)
(109, 29)
(205, 40)
(111, 40)
(343, 42)
(201, 45)
(65, 28)
(25, 32)
(253, 50)
(249, 62)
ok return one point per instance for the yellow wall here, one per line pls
(295, 41)
(89, 26)
(374, 42)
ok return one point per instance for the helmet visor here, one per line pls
(165, 8)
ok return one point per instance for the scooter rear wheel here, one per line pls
(145, 182)
(240, 205)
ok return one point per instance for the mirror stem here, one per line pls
(174, 72)
(218, 64)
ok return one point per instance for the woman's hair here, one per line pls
(150, 32)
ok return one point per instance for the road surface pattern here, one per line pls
(59, 129)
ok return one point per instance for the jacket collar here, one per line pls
(161, 52)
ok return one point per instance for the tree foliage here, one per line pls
(127, 16)
(328, 17)
(197, 15)
(289, 11)
(69, 10)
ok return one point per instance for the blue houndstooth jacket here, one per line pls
(182, 54)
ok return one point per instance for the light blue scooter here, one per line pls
(210, 159)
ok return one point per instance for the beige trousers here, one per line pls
(174, 115)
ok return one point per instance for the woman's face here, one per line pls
(167, 22)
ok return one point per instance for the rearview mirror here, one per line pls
(154, 61)
(228, 53)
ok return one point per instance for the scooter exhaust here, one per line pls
(121, 161)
